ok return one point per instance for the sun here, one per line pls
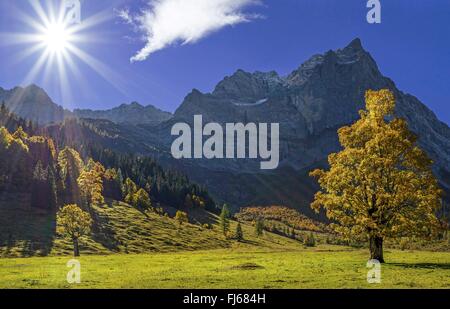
(56, 38)
(55, 42)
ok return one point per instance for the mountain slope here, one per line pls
(323, 94)
(120, 228)
(133, 113)
(32, 103)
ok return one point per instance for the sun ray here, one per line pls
(66, 93)
(39, 10)
(25, 53)
(55, 37)
(99, 67)
(31, 22)
(82, 84)
(94, 20)
(36, 68)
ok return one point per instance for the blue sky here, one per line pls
(411, 46)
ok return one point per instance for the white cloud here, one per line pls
(167, 22)
(125, 15)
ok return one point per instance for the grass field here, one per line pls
(321, 267)
(119, 228)
(131, 249)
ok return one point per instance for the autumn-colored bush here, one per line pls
(287, 216)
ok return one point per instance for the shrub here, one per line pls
(239, 233)
(310, 240)
(207, 226)
(259, 227)
(181, 217)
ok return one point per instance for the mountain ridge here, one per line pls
(33, 103)
(323, 94)
(311, 103)
(134, 113)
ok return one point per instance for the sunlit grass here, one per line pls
(321, 267)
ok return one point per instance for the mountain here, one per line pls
(311, 103)
(323, 94)
(32, 103)
(133, 113)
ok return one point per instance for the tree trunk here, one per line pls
(76, 250)
(376, 248)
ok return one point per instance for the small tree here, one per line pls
(129, 191)
(90, 183)
(70, 167)
(224, 220)
(181, 217)
(142, 200)
(293, 235)
(259, 227)
(381, 184)
(239, 232)
(310, 240)
(74, 223)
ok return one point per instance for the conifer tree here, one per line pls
(224, 220)
(239, 232)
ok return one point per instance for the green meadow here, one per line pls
(131, 249)
(324, 266)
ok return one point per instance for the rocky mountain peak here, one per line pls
(245, 86)
(356, 44)
(32, 103)
(32, 93)
(354, 57)
(133, 104)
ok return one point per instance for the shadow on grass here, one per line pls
(422, 265)
(103, 232)
(249, 242)
(25, 230)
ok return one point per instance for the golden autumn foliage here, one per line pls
(288, 216)
(90, 182)
(74, 223)
(70, 163)
(181, 217)
(381, 184)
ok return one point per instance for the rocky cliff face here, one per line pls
(133, 113)
(32, 103)
(324, 93)
(311, 103)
